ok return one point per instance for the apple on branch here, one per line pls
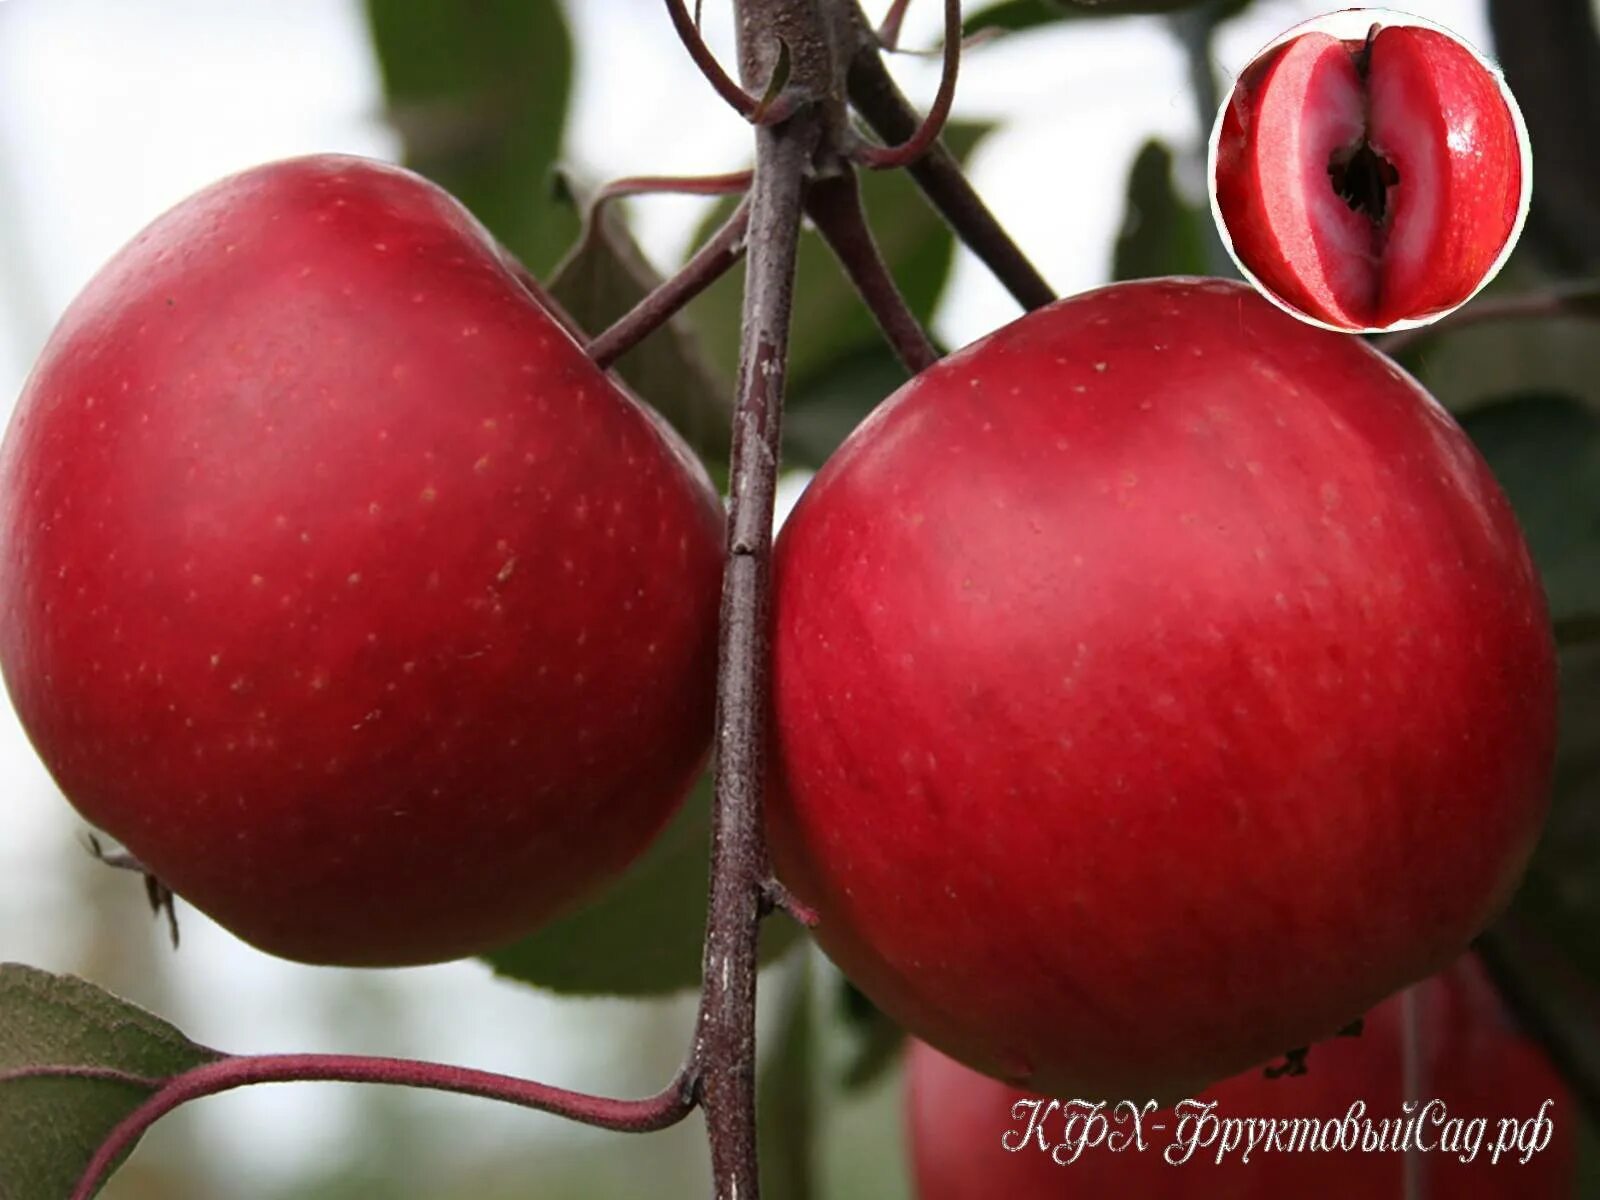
(1159, 683)
(340, 586)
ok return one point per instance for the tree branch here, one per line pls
(725, 1028)
(1576, 300)
(709, 263)
(666, 1108)
(835, 208)
(880, 102)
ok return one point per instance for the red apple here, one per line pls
(340, 586)
(967, 1142)
(1367, 183)
(1159, 683)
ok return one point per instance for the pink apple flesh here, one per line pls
(1159, 682)
(1369, 184)
(340, 586)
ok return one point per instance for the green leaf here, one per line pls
(786, 1119)
(642, 936)
(1161, 233)
(877, 1041)
(1545, 450)
(823, 411)
(603, 277)
(50, 1127)
(478, 93)
(1013, 15)
(830, 323)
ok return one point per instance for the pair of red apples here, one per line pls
(1159, 682)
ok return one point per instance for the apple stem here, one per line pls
(777, 898)
(927, 132)
(708, 264)
(884, 107)
(667, 1107)
(834, 205)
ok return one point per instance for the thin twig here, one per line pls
(927, 133)
(1576, 300)
(889, 28)
(670, 185)
(876, 97)
(834, 205)
(709, 263)
(666, 1108)
(689, 33)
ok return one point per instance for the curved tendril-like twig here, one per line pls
(667, 1107)
(671, 185)
(909, 151)
(683, 21)
(721, 250)
(874, 95)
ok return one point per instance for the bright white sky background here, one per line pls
(110, 111)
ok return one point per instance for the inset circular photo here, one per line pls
(1370, 171)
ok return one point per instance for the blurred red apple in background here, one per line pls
(340, 586)
(1160, 682)
(1469, 1058)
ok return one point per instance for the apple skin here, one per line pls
(340, 586)
(1470, 1057)
(1159, 682)
(1432, 110)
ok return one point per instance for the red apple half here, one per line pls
(1367, 183)
(340, 586)
(1470, 1063)
(1160, 682)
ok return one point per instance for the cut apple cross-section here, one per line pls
(1369, 182)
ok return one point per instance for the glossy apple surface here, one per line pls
(340, 586)
(1470, 1058)
(1369, 184)
(1160, 682)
